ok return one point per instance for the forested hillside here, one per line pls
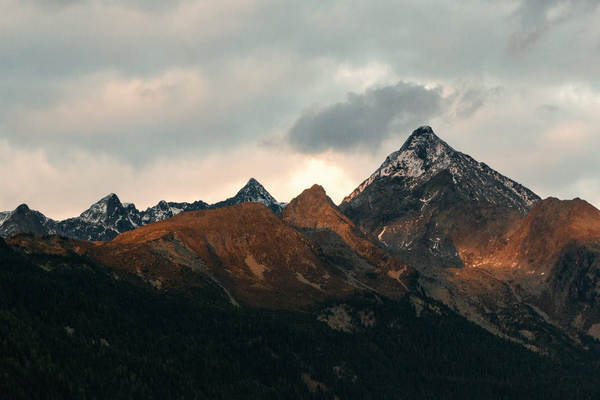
(75, 331)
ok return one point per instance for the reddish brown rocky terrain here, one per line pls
(253, 255)
(533, 243)
(246, 248)
(430, 220)
(482, 243)
(319, 218)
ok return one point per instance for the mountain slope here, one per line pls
(251, 252)
(552, 257)
(70, 327)
(317, 216)
(104, 220)
(3, 216)
(482, 243)
(23, 219)
(427, 198)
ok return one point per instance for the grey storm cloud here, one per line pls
(365, 120)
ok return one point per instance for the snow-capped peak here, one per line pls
(422, 152)
(424, 155)
(254, 191)
(162, 210)
(99, 211)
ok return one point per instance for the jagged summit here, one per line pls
(253, 182)
(252, 191)
(103, 209)
(108, 216)
(313, 209)
(320, 219)
(427, 180)
(424, 155)
(422, 134)
(22, 208)
(424, 141)
(317, 190)
(24, 219)
(166, 209)
(110, 197)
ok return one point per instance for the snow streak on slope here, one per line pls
(424, 155)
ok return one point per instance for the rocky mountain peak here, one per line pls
(24, 219)
(424, 156)
(102, 221)
(423, 134)
(312, 205)
(22, 209)
(102, 209)
(316, 191)
(422, 152)
(320, 219)
(424, 143)
(253, 182)
(252, 191)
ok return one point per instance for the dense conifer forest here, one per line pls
(74, 331)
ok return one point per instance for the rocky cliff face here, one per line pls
(256, 257)
(572, 292)
(23, 219)
(551, 256)
(108, 217)
(310, 255)
(482, 243)
(104, 220)
(427, 197)
(364, 260)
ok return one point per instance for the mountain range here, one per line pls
(431, 227)
(109, 217)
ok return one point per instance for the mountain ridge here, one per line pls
(108, 217)
(483, 244)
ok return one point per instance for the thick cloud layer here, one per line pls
(138, 86)
(365, 120)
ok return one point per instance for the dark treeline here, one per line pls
(76, 332)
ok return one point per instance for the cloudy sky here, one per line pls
(186, 100)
